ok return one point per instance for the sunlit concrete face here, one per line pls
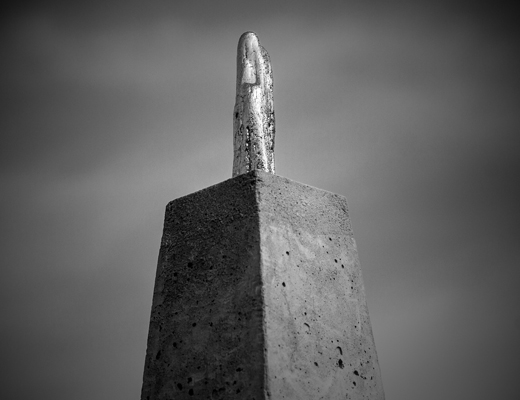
(259, 295)
(319, 338)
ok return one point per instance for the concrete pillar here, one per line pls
(259, 295)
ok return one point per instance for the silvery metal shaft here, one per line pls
(253, 117)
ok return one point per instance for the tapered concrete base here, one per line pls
(259, 295)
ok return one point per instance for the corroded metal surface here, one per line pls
(253, 116)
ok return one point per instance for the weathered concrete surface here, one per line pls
(318, 335)
(206, 335)
(259, 295)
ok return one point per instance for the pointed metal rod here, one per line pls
(253, 116)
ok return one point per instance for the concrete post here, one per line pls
(259, 295)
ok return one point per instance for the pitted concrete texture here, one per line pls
(259, 295)
(206, 332)
(318, 335)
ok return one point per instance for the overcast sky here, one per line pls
(112, 108)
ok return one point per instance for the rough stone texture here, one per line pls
(253, 116)
(259, 295)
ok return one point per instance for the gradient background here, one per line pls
(110, 109)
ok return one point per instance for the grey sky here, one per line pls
(111, 109)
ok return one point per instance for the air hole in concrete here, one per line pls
(190, 264)
(194, 324)
(190, 392)
(354, 383)
(330, 239)
(283, 284)
(356, 373)
(340, 363)
(189, 380)
(158, 355)
(315, 363)
(179, 385)
(340, 350)
(335, 260)
(175, 344)
(342, 266)
(287, 252)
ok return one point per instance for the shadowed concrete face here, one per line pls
(206, 336)
(259, 295)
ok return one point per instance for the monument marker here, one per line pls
(258, 291)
